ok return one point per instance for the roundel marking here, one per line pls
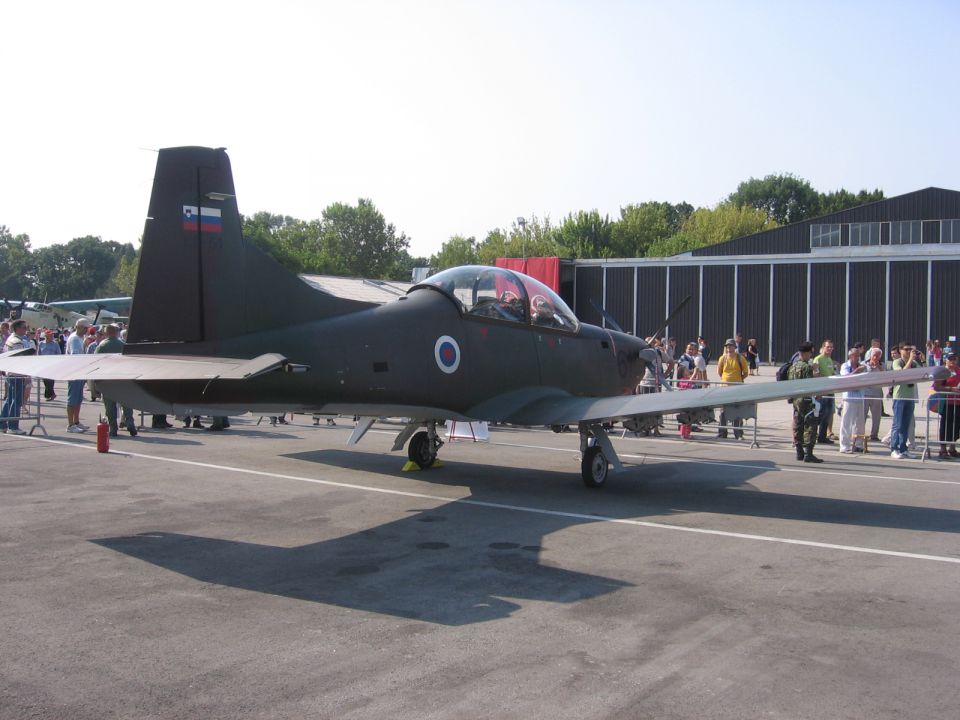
(447, 354)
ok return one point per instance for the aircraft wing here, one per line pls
(114, 366)
(562, 409)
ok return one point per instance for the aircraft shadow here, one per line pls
(437, 566)
(661, 488)
(455, 565)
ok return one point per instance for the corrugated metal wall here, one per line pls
(868, 287)
(589, 286)
(716, 324)
(945, 300)
(789, 309)
(753, 305)
(619, 296)
(684, 281)
(868, 306)
(908, 302)
(651, 299)
(828, 292)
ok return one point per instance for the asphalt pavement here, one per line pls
(273, 572)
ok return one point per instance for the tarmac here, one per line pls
(273, 572)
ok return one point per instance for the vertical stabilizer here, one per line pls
(199, 282)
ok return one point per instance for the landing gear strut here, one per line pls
(597, 455)
(424, 446)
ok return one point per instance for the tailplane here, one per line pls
(199, 282)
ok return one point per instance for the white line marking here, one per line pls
(521, 508)
(775, 468)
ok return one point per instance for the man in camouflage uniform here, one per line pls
(804, 421)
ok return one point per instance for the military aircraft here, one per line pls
(38, 315)
(469, 343)
(105, 309)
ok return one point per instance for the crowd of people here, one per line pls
(813, 417)
(82, 339)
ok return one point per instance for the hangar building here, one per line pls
(889, 270)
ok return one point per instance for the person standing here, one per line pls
(15, 384)
(49, 346)
(904, 400)
(75, 346)
(805, 422)
(704, 350)
(753, 355)
(825, 368)
(853, 418)
(949, 408)
(111, 343)
(732, 368)
(873, 396)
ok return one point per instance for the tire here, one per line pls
(594, 467)
(420, 450)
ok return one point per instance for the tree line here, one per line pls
(356, 240)
(655, 229)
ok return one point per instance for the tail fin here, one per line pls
(199, 281)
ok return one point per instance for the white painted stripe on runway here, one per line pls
(521, 508)
(727, 463)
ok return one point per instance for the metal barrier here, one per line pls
(37, 416)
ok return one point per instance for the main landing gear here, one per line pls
(424, 446)
(597, 455)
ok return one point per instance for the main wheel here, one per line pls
(594, 467)
(420, 450)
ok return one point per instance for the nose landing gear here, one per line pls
(597, 455)
(424, 446)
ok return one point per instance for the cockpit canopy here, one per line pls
(501, 294)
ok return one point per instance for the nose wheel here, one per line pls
(596, 455)
(424, 446)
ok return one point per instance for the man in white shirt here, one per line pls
(854, 417)
(75, 387)
(16, 340)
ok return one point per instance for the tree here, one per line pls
(586, 235)
(82, 268)
(357, 240)
(15, 259)
(124, 276)
(403, 269)
(708, 226)
(784, 198)
(282, 237)
(641, 225)
(458, 250)
(531, 238)
(842, 199)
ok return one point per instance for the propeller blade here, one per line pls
(671, 316)
(606, 316)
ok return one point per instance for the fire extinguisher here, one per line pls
(103, 436)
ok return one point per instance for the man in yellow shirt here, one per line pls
(732, 367)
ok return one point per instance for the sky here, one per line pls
(456, 118)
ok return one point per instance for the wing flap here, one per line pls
(109, 366)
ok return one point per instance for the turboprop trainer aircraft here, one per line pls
(470, 343)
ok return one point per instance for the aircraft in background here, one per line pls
(98, 309)
(469, 343)
(39, 315)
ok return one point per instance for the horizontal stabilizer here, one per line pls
(114, 366)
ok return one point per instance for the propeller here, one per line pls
(671, 316)
(606, 316)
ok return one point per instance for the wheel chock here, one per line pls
(411, 466)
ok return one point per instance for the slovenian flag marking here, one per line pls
(204, 219)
